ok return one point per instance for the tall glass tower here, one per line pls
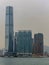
(9, 29)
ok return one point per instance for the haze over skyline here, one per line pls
(28, 15)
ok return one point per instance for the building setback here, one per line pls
(9, 29)
(24, 42)
(38, 44)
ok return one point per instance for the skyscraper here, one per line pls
(38, 43)
(24, 42)
(9, 29)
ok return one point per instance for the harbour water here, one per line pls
(24, 61)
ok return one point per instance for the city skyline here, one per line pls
(30, 17)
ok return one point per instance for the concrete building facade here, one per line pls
(38, 43)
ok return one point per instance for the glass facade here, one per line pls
(9, 29)
(24, 42)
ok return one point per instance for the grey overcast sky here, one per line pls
(28, 15)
